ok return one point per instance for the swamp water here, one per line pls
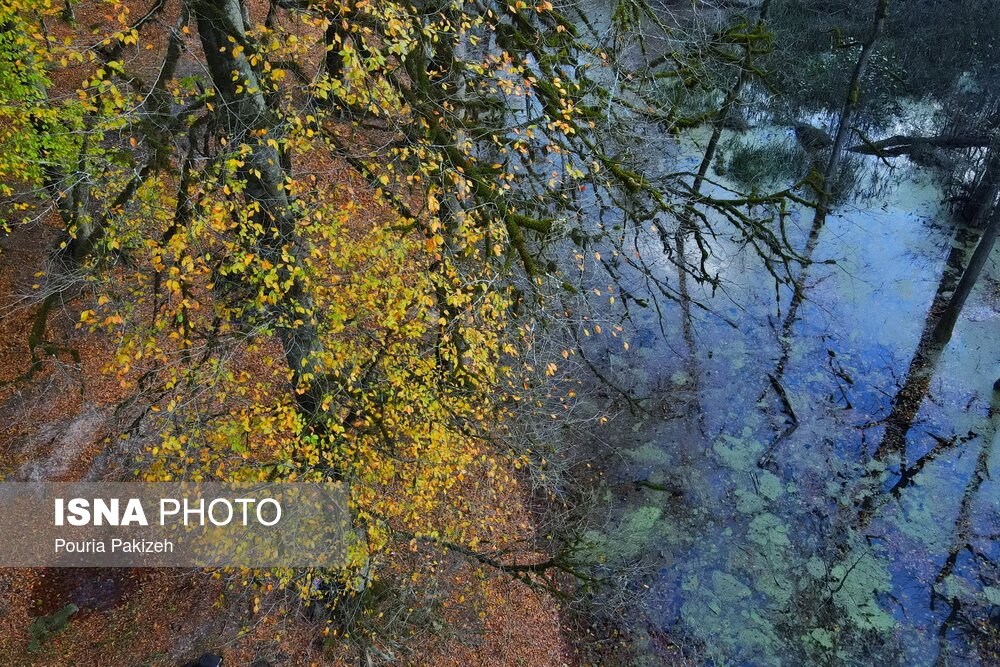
(778, 527)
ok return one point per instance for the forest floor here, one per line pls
(59, 425)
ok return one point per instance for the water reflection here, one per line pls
(828, 495)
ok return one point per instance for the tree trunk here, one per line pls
(732, 97)
(334, 44)
(902, 144)
(718, 125)
(906, 403)
(848, 111)
(986, 210)
(964, 524)
(244, 111)
(945, 327)
(830, 174)
(984, 194)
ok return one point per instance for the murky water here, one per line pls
(782, 526)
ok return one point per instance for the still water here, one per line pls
(754, 480)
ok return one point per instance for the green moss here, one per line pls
(639, 529)
(739, 453)
(855, 584)
(44, 628)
